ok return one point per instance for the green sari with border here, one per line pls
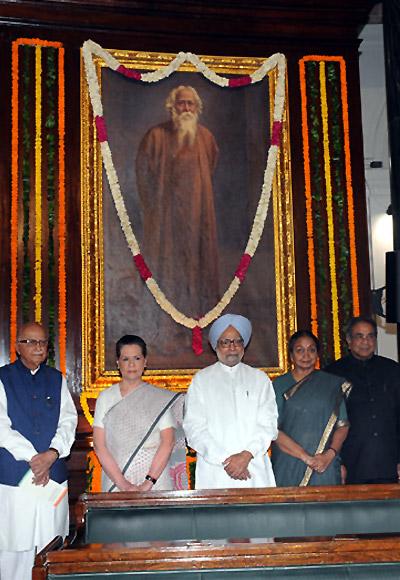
(304, 413)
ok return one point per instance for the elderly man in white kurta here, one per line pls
(231, 414)
(37, 428)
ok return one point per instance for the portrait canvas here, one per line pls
(191, 237)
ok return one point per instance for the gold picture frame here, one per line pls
(97, 370)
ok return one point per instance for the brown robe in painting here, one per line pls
(179, 223)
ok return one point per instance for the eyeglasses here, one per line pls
(359, 336)
(226, 342)
(33, 342)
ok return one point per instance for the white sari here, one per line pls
(127, 423)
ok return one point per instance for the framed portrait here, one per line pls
(192, 218)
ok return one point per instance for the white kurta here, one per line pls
(27, 523)
(229, 410)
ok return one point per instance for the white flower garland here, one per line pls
(91, 49)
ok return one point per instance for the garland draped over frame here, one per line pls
(277, 60)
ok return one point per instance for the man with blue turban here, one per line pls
(231, 414)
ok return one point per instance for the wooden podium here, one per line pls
(320, 533)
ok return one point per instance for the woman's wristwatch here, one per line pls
(152, 479)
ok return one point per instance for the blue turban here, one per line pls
(242, 325)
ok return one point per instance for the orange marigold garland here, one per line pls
(350, 193)
(190, 470)
(37, 298)
(62, 287)
(38, 43)
(14, 198)
(350, 198)
(309, 218)
(329, 210)
(93, 473)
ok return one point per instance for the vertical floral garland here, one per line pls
(62, 231)
(329, 210)
(26, 185)
(22, 89)
(37, 298)
(49, 136)
(14, 199)
(191, 468)
(93, 466)
(308, 196)
(350, 194)
(339, 197)
(93, 473)
(318, 202)
(326, 142)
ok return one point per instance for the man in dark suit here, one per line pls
(371, 452)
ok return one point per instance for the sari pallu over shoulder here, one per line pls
(309, 412)
(132, 423)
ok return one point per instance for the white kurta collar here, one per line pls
(230, 370)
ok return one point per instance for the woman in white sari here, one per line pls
(134, 429)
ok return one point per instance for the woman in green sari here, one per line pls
(312, 419)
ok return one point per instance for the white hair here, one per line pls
(171, 99)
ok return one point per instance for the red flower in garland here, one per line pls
(128, 72)
(240, 81)
(197, 340)
(142, 267)
(276, 133)
(241, 270)
(101, 129)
